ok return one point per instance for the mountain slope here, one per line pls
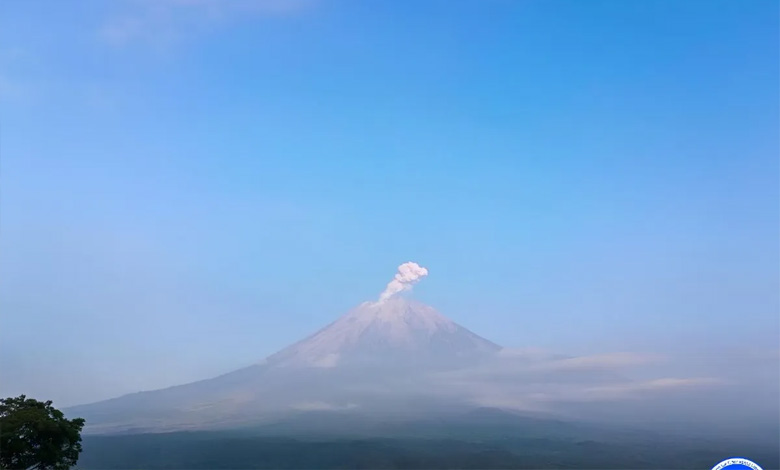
(374, 359)
(396, 329)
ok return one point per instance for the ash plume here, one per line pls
(408, 274)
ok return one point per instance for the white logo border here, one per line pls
(737, 461)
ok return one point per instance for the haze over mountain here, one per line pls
(203, 199)
(377, 357)
(395, 330)
(380, 357)
(388, 360)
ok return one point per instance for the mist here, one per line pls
(304, 215)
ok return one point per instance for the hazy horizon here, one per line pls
(189, 186)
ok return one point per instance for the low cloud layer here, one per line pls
(639, 388)
(535, 380)
(322, 406)
(600, 361)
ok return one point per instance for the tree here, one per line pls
(35, 435)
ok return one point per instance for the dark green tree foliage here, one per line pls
(35, 435)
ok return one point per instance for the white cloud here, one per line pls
(538, 396)
(637, 389)
(322, 406)
(526, 353)
(599, 361)
(407, 276)
(537, 380)
(539, 365)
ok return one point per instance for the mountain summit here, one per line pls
(396, 329)
(376, 357)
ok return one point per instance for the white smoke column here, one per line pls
(408, 274)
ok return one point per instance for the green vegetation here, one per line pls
(35, 435)
(231, 451)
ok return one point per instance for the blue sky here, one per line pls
(189, 185)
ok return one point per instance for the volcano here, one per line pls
(377, 358)
(386, 366)
(397, 330)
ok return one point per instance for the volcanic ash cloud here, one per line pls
(408, 275)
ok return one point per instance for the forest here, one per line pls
(197, 450)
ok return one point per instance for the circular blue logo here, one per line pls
(737, 463)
